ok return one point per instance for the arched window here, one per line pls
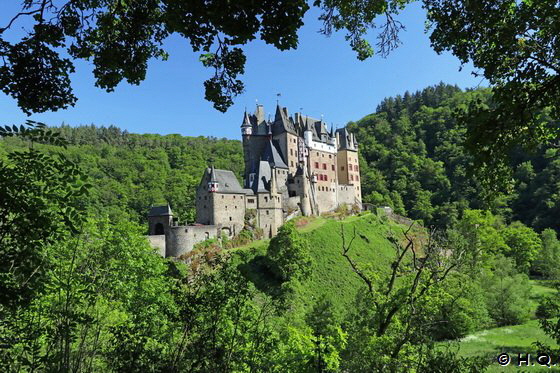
(159, 229)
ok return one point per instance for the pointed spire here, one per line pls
(331, 134)
(246, 120)
(213, 174)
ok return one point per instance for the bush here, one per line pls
(549, 307)
(289, 254)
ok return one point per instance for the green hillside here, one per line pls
(331, 275)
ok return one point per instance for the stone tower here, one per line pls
(347, 159)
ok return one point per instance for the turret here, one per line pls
(246, 127)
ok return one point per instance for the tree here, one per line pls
(40, 204)
(507, 292)
(513, 45)
(548, 260)
(389, 325)
(288, 253)
(328, 337)
(120, 37)
(524, 245)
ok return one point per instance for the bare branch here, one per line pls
(345, 250)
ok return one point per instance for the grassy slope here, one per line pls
(331, 275)
(510, 339)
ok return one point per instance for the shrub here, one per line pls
(289, 254)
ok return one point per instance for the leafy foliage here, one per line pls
(513, 44)
(129, 172)
(119, 38)
(413, 159)
(40, 203)
(289, 254)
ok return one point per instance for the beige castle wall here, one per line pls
(346, 195)
(181, 239)
(349, 171)
(323, 163)
(229, 211)
(158, 243)
(326, 198)
(282, 182)
(269, 213)
(204, 206)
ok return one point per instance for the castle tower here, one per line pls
(347, 158)
(160, 218)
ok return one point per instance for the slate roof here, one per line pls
(227, 182)
(346, 139)
(263, 176)
(160, 211)
(272, 156)
(282, 122)
(261, 179)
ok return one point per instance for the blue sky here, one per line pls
(323, 77)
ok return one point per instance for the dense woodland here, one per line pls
(81, 290)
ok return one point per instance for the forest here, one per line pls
(82, 291)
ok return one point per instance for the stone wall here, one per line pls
(158, 243)
(269, 214)
(181, 239)
(229, 211)
(323, 165)
(326, 197)
(346, 195)
(349, 171)
(204, 205)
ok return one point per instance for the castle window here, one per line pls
(233, 197)
(204, 206)
(236, 207)
(322, 155)
(356, 168)
(332, 167)
(330, 156)
(349, 167)
(317, 154)
(222, 197)
(250, 200)
(267, 212)
(292, 163)
(352, 177)
(357, 178)
(324, 166)
(291, 151)
(341, 168)
(326, 178)
(226, 207)
(316, 164)
(266, 199)
(230, 218)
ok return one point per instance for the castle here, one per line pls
(293, 166)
